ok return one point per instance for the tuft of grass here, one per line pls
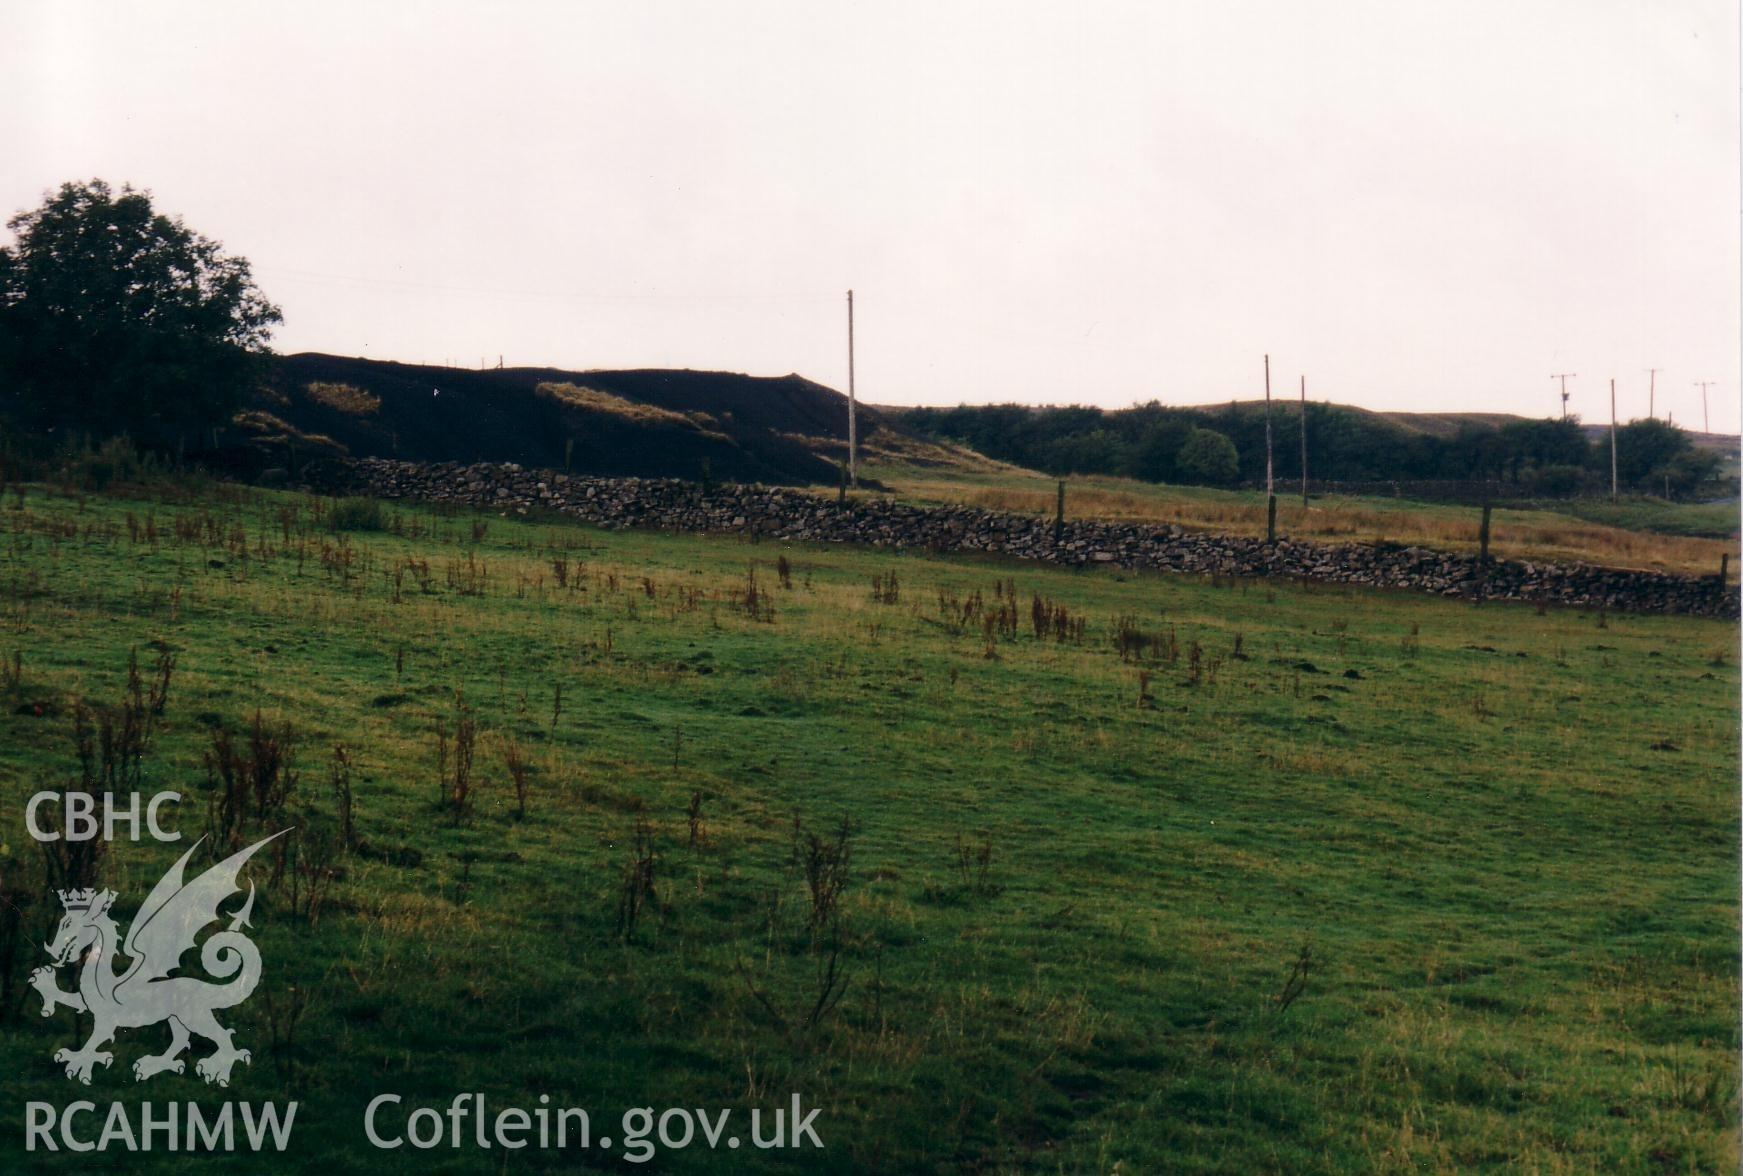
(587, 399)
(344, 398)
(356, 514)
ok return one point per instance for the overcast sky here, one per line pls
(1419, 205)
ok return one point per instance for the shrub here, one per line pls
(116, 460)
(1208, 457)
(250, 787)
(825, 863)
(355, 514)
(636, 888)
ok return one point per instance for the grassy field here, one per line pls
(1701, 519)
(1637, 533)
(1206, 877)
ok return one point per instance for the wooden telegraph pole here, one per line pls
(1706, 424)
(1612, 439)
(1303, 440)
(852, 404)
(1270, 487)
(1652, 393)
(1270, 484)
(1563, 377)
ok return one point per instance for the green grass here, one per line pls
(1705, 519)
(1508, 840)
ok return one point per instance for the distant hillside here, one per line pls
(1445, 424)
(635, 423)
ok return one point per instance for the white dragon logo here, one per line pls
(163, 929)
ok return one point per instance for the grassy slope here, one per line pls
(1523, 917)
(1636, 534)
(1660, 517)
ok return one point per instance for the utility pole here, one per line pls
(1612, 439)
(1652, 393)
(852, 404)
(1303, 440)
(1270, 484)
(1703, 385)
(1563, 377)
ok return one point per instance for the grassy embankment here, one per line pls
(1305, 879)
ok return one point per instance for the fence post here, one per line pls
(1724, 567)
(1059, 514)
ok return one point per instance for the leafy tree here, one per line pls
(1529, 445)
(1095, 451)
(115, 318)
(1645, 450)
(1209, 458)
(1688, 469)
(1154, 457)
(1652, 455)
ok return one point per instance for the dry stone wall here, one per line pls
(773, 513)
